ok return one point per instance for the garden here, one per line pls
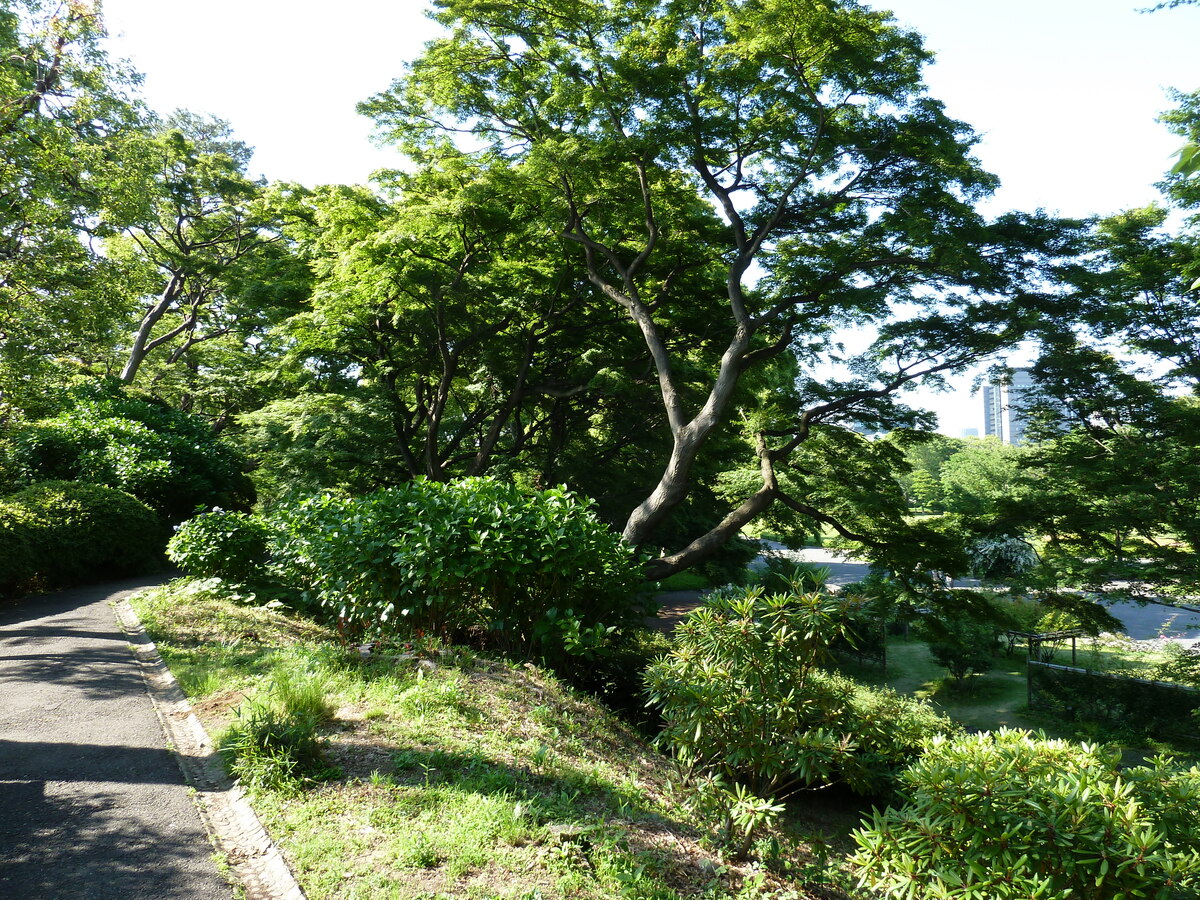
(646, 283)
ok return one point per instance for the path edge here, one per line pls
(231, 822)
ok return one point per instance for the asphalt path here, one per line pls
(92, 803)
(1142, 621)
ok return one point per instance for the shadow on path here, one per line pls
(80, 842)
(92, 803)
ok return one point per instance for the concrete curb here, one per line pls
(228, 817)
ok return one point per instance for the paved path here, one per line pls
(92, 804)
(1141, 621)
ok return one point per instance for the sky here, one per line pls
(1064, 93)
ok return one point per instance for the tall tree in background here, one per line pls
(1115, 481)
(194, 237)
(837, 195)
(65, 112)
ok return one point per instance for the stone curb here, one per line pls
(228, 817)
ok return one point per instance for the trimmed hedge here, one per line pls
(168, 459)
(61, 532)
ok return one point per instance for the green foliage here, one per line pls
(1181, 666)
(981, 475)
(744, 699)
(168, 459)
(273, 741)
(998, 557)
(65, 112)
(1009, 816)
(228, 545)
(961, 645)
(58, 532)
(535, 574)
(783, 574)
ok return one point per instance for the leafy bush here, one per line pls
(960, 644)
(228, 545)
(168, 459)
(1011, 815)
(1181, 665)
(58, 532)
(744, 699)
(533, 574)
(783, 574)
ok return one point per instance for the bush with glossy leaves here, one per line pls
(533, 574)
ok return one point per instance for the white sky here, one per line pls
(1064, 92)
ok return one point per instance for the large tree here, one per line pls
(65, 111)
(195, 237)
(838, 196)
(1115, 480)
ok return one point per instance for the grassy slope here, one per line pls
(467, 777)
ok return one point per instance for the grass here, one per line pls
(447, 774)
(999, 698)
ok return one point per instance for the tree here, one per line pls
(196, 233)
(1115, 493)
(981, 476)
(65, 112)
(774, 170)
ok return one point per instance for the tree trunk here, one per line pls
(141, 340)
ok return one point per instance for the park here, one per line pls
(559, 513)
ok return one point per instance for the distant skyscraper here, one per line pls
(970, 432)
(1005, 407)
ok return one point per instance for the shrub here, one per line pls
(961, 645)
(783, 574)
(168, 459)
(228, 545)
(59, 532)
(528, 573)
(744, 699)
(1011, 815)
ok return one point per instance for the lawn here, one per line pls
(999, 697)
(450, 774)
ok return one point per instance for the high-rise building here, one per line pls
(1005, 407)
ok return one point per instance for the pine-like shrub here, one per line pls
(58, 532)
(745, 699)
(1010, 816)
(229, 545)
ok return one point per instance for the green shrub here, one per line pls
(1011, 815)
(168, 459)
(783, 574)
(959, 644)
(228, 545)
(744, 699)
(534, 574)
(59, 532)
